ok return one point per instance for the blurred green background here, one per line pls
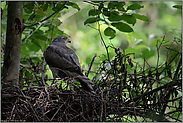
(164, 20)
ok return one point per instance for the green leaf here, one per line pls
(110, 32)
(122, 27)
(3, 4)
(111, 5)
(28, 49)
(106, 12)
(141, 17)
(24, 50)
(91, 20)
(58, 32)
(58, 6)
(49, 83)
(32, 17)
(114, 16)
(93, 12)
(56, 22)
(134, 7)
(41, 44)
(129, 19)
(44, 29)
(139, 37)
(101, 6)
(37, 36)
(45, 6)
(120, 6)
(24, 88)
(28, 9)
(147, 54)
(130, 39)
(132, 50)
(74, 5)
(142, 47)
(177, 6)
(39, 11)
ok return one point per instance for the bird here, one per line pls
(63, 62)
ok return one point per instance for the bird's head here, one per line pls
(63, 39)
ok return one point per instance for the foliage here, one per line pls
(115, 13)
(137, 69)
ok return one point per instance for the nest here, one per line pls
(51, 104)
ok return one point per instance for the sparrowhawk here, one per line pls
(63, 62)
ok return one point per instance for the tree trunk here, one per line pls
(13, 43)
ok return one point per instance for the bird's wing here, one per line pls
(63, 58)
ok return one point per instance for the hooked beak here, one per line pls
(69, 41)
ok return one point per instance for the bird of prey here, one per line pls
(63, 62)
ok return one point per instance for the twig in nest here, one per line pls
(91, 64)
(56, 112)
(34, 111)
(13, 110)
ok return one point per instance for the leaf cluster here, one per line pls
(115, 15)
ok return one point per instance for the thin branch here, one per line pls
(170, 84)
(34, 111)
(91, 64)
(56, 112)
(91, 3)
(13, 109)
(2, 11)
(49, 31)
(40, 24)
(104, 42)
(48, 16)
(178, 69)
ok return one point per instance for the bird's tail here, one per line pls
(86, 83)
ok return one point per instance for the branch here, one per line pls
(40, 24)
(48, 16)
(34, 111)
(171, 84)
(178, 69)
(91, 3)
(103, 42)
(2, 11)
(91, 65)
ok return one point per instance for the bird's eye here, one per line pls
(65, 38)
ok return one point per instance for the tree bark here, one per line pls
(13, 43)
